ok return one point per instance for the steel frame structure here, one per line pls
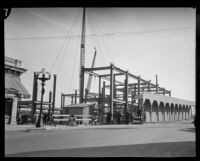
(130, 93)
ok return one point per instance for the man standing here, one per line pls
(127, 117)
(108, 118)
(118, 117)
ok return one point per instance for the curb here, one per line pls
(25, 130)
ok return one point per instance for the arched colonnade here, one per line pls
(159, 108)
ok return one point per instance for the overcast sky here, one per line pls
(144, 41)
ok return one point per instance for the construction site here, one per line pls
(118, 90)
(100, 82)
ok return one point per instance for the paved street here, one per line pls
(172, 139)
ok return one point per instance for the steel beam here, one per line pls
(107, 75)
(96, 100)
(97, 68)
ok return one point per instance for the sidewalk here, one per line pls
(31, 127)
(21, 128)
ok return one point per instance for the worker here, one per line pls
(108, 118)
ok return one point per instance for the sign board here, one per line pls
(138, 97)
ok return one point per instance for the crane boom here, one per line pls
(90, 76)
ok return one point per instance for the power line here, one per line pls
(106, 34)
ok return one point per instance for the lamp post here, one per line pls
(43, 76)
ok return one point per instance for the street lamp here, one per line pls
(43, 76)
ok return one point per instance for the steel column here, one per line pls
(126, 91)
(54, 93)
(34, 95)
(111, 91)
(75, 96)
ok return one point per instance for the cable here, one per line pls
(66, 47)
(93, 28)
(75, 60)
(104, 42)
(75, 19)
(92, 34)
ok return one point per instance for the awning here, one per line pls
(14, 86)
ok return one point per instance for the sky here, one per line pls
(144, 41)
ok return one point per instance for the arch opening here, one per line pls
(176, 112)
(155, 112)
(167, 112)
(161, 112)
(147, 108)
(172, 112)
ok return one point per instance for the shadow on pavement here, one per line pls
(189, 130)
(168, 149)
(109, 128)
(126, 127)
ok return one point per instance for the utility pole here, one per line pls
(82, 59)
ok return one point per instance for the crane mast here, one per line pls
(82, 59)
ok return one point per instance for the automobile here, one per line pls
(194, 121)
(7, 119)
(26, 119)
(137, 120)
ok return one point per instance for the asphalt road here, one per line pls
(153, 140)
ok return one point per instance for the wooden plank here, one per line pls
(61, 115)
(83, 119)
(61, 119)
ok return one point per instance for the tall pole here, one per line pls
(50, 100)
(82, 58)
(75, 96)
(111, 91)
(41, 103)
(34, 95)
(54, 93)
(156, 83)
